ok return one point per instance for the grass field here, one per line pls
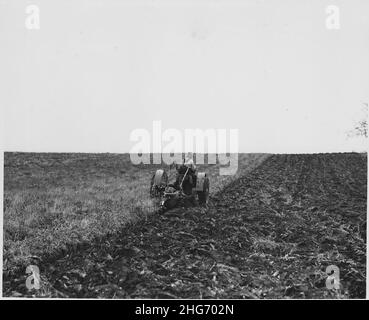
(54, 202)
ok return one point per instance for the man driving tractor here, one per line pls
(190, 187)
(186, 174)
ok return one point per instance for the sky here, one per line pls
(96, 70)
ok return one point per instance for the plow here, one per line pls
(189, 188)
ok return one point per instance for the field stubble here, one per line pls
(57, 202)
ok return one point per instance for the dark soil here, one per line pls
(270, 234)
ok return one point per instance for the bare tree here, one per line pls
(361, 127)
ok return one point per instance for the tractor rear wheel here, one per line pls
(203, 196)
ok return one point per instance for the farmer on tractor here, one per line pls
(189, 188)
(186, 174)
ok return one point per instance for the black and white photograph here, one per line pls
(156, 150)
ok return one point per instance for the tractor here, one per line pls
(190, 187)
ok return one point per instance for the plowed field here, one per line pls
(269, 234)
